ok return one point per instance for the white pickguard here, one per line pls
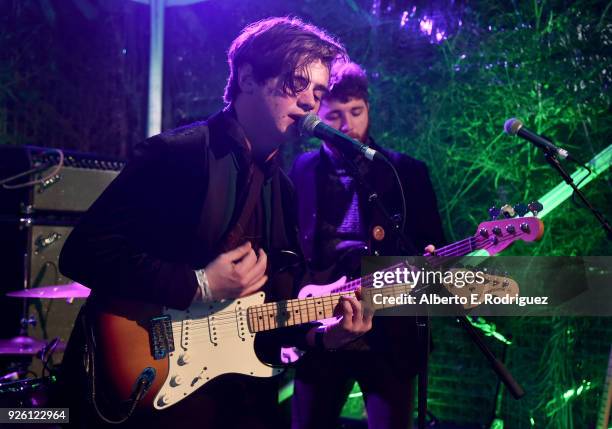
(210, 340)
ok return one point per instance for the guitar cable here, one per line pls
(142, 384)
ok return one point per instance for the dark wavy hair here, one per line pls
(348, 80)
(281, 46)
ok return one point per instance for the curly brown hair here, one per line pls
(348, 80)
(280, 46)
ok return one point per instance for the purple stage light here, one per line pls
(432, 25)
(404, 18)
(426, 25)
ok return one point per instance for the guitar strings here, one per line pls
(454, 249)
(203, 333)
(306, 309)
(229, 317)
(303, 305)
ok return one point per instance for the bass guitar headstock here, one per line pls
(504, 229)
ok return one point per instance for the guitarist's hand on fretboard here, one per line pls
(430, 248)
(355, 320)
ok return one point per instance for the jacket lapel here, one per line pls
(222, 168)
(305, 179)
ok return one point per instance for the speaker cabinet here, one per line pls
(55, 318)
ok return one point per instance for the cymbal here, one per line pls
(70, 290)
(21, 346)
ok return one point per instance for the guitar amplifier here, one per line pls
(68, 182)
(54, 318)
(42, 194)
(45, 243)
(77, 184)
(30, 257)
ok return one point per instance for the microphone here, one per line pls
(311, 125)
(514, 127)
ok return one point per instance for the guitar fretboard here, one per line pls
(460, 248)
(292, 312)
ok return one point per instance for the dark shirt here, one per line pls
(342, 216)
(170, 212)
(337, 217)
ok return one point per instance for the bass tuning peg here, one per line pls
(521, 209)
(535, 207)
(508, 211)
(494, 213)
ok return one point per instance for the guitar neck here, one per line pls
(492, 236)
(454, 250)
(293, 312)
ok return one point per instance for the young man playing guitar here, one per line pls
(194, 216)
(334, 240)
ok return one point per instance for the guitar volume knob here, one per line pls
(184, 359)
(176, 381)
(163, 400)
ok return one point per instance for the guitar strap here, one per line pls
(247, 202)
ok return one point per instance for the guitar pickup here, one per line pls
(162, 339)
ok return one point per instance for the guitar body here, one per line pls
(201, 343)
(123, 348)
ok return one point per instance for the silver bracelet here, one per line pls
(204, 286)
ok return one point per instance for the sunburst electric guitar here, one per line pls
(177, 352)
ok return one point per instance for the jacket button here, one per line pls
(378, 233)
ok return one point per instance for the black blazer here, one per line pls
(391, 336)
(165, 214)
(423, 223)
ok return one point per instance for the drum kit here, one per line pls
(16, 389)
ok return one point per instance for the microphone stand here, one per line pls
(554, 163)
(422, 322)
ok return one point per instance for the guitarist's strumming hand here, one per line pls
(356, 320)
(236, 273)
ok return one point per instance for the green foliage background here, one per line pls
(73, 75)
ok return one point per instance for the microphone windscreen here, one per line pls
(512, 126)
(308, 123)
